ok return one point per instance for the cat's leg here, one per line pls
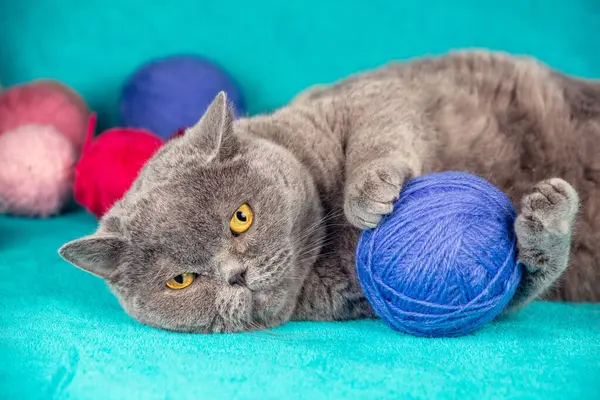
(380, 157)
(544, 228)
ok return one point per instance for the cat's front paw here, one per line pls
(371, 191)
(545, 223)
(550, 208)
(544, 228)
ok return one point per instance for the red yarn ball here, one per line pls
(109, 164)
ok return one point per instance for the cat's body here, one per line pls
(332, 162)
(511, 120)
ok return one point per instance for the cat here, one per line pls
(246, 224)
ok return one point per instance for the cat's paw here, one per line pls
(543, 230)
(371, 192)
(546, 220)
(550, 207)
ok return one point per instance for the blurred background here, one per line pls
(275, 48)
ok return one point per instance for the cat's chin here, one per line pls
(275, 306)
(266, 313)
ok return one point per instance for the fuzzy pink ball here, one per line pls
(36, 170)
(45, 102)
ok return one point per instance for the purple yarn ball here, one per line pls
(173, 93)
(444, 263)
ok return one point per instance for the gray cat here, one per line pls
(247, 224)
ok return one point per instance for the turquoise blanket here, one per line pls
(64, 336)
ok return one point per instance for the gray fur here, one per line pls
(334, 161)
(544, 228)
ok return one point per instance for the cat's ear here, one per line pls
(96, 254)
(213, 134)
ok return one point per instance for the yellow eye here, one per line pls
(241, 220)
(181, 281)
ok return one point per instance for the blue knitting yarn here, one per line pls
(173, 93)
(444, 262)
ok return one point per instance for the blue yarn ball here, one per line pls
(444, 263)
(173, 93)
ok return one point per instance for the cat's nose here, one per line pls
(237, 277)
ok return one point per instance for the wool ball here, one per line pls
(36, 171)
(109, 164)
(45, 102)
(172, 93)
(444, 262)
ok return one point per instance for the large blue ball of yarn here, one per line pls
(172, 93)
(444, 262)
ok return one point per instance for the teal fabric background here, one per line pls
(63, 335)
(275, 48)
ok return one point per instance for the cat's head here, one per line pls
(216, 234)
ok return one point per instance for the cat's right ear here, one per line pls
(213, 134)
(97, 254)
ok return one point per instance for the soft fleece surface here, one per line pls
(63, 335)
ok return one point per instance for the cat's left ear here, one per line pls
(97, 254)
(213, 134)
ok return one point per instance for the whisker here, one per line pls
(323, 238)
(328, 217)
(258, 328)
(315, 246)
(326, 254)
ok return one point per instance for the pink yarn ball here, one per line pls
(45, 102)
(36, 171)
